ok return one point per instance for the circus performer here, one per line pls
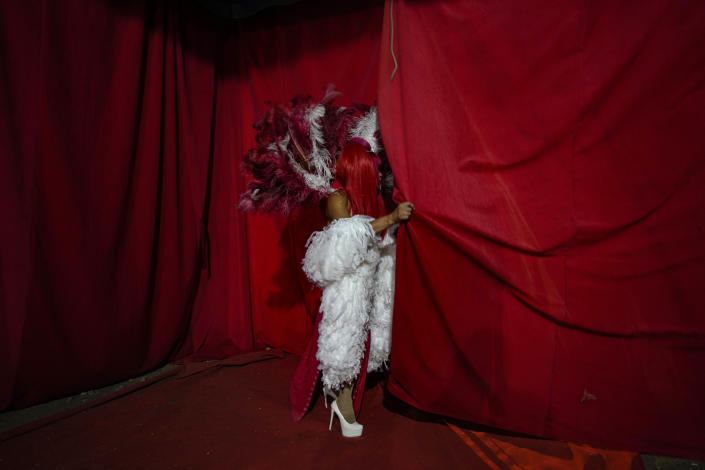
(352, 259)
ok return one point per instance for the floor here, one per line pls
(234, 414)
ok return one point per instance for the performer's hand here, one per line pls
(403, 212)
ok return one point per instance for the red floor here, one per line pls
(237, 416)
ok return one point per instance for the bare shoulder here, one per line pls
(337, 206)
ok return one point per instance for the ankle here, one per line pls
(345, 404)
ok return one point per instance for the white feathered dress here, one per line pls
(354, 267)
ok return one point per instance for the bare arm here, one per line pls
(337, 207)
(400, 214)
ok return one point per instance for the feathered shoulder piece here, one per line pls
(293, 161)
(339, 249)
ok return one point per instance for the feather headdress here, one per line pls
(293, 161)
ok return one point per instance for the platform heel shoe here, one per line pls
(347, 429)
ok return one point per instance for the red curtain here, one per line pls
(551, 281)
(113, 115)
(122, 129)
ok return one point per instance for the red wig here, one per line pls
(357, 173)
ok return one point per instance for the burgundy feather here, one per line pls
(274, 184)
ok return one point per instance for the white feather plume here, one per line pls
(366, 128)
(319, 157)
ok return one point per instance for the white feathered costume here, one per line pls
(355, 269)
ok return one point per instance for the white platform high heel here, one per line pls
(347, 429)
(327, 392)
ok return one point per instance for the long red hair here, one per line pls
(358, 175)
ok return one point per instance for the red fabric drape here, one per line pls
(551, 280)
(116, 150)
(122, 129)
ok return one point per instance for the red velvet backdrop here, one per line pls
(122, 129)
(552, 278)
(549, 282)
